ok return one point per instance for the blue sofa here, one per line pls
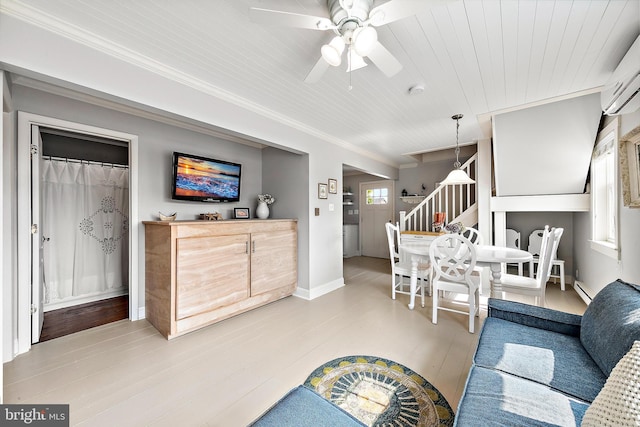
(302, 407)
(540, 367)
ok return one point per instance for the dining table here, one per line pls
(486, 255)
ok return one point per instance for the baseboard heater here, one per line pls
(579, 288)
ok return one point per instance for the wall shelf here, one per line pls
(412, 200)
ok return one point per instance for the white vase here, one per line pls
(262, 211)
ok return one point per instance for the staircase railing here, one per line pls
(456, 201)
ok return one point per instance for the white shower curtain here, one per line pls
(85, 217)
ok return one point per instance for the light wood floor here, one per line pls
(227, 374)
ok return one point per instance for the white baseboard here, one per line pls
(320, 290)
(578, 286)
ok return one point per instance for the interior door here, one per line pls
(376, 209)
(37, 238)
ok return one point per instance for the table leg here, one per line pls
(413, 284)
(496, 272)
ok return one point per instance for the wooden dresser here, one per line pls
(200, 272)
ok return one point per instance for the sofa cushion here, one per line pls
(494, 398)
(618, 404)
(303, 407)
(546, 357)
(611, 324)
(538, 317)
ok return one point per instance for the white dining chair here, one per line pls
(453, 259)
(513, 241)
(401, 270)
(534, 248)
(537, 286)
(474, 236)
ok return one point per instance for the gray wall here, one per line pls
(156, 143)
(292, 198)
(595, 269)
(526, 222)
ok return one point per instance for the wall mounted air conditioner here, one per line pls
(621, 95)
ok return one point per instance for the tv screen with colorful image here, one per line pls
(203, 179)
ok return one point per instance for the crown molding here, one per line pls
(134, 111)
(79, 35)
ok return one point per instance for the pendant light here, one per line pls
(457, 175)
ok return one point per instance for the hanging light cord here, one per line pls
(457, 118)
(350, 71)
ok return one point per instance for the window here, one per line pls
(377, 196)
(604, 192)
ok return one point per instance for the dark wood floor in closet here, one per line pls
(65, 321)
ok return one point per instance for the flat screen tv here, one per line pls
(203, 179)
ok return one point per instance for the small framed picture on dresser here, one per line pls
(241, 213)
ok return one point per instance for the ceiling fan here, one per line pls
(353, 22)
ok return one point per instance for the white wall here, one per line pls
(5, 135)
(595, 269)
(545, 149)
(9, 231)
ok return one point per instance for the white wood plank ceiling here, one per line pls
(473, 57)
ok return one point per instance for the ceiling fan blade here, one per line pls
(384, 60)
(289, 19)
(317, 71)
(395, 10)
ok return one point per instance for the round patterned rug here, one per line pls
(380, 392)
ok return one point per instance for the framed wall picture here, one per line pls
(241, 213)
(333, 186)
(629, 157)
(322, 190)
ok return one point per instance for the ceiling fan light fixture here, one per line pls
(332, 52)
(364, 40)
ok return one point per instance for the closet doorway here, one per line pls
(82, 252)
(84, 219)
